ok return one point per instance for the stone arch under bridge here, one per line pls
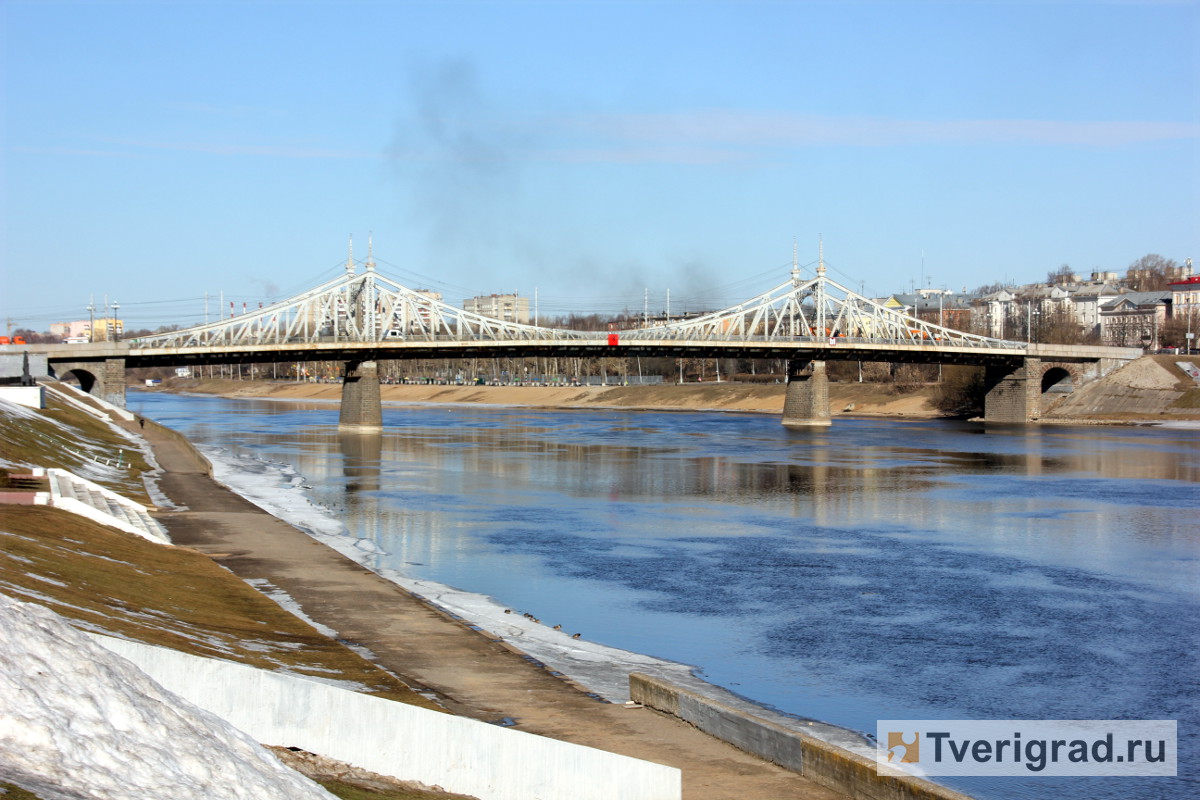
(1017, 395)
(103, 378)
(1058, 376)
(86, 378)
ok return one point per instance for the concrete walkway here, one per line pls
(471, 675)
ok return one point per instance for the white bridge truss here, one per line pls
(368, 308)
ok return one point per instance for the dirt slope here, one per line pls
(1152, 388)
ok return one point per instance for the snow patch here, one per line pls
(288, 604)
(81, 722)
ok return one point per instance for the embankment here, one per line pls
(1150, 389)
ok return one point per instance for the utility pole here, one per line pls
(91, 309)
(112, 328)
(941, 324)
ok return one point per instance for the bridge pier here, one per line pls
(1014, 396)
(806, 403)
(362, 409)
(112, 382)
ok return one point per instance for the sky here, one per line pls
(598, 154)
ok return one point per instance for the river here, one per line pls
(877, 569)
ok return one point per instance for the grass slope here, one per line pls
(63, 436)
(111, 582)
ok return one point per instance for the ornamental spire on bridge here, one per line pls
(370, 252)
(350, 256)
(795, 264)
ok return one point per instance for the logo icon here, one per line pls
(909, 752)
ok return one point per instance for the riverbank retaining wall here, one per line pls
(200, 460)
(411, 743)
(835, 767)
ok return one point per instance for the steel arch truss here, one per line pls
(366, 308)
(369, 308)
(816, 310)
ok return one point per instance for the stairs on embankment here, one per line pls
(77, 495)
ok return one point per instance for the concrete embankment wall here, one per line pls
(411, 743)
(836, 767)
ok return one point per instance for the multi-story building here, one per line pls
(1087, 301)
(108, 329)
(1185, 305)
(506, 307)
(102, 330)
(79, 329)
(941, 307)
(991, 314)
(1185, 295)
(1135, 319)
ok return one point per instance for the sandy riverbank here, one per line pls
(866, 399)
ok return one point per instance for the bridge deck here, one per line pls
(809, 348)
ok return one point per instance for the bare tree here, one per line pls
(33, 337)
(961, 391)
(1061, 276)
(1059, 326)
(989, 288)
(1151, 273)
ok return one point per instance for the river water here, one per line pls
(877, 569)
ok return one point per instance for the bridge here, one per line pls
(360, 318)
